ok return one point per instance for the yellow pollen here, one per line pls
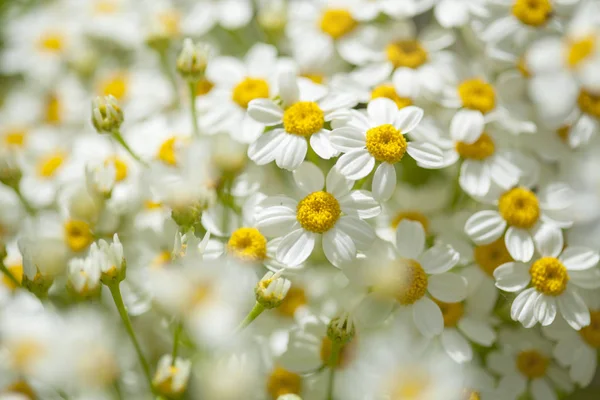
(337, 23)
(120, 167)
(281, 381)
(78, 235)
(22, 387)
(563, 132)
(591, 333)
(52, 42)
(389, 92)
(15, 137)
(165, 386)
(412, 386)
(532, 12)
(532, 364)
(474, 396)
(579, 50)
(105, 7)
(316, 78)
(161, 259)
(406, 53)
(116, 85)
(294, 299)
(519, 207)
(413, 285)
(452, 312)
(17, 272)
(48, 166)
(415, 216)
(166, 151)
(490, 256)
(152, 205)
(250, 89)
(549, 276)
(477, 94)
(318, 212)
(345, 356)
(386, 143)
(522, 67)
(481, 149)
(170, 22)
(589, 103)
(52, 113)
(303, 118)
(24, 353)
(248, 244)
(203, 87)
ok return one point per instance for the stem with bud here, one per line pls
(192, 88)
(252, 315)
(333, 360)
(117, 136)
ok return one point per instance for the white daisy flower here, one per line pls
(304, 111)
(336, 214)
(555, 278)
(522, 214)
(378, 136)
(525, 365)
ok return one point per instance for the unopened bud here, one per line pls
(192, 60)
(84, 277)
(171, 378)
(341, 330)
(272, 17)
(110, 260)
(272, 289)
(107, 115)
(187, 215)
(10, 173)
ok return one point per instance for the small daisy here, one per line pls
(555, 278)
(524, 213)
(336, 214)
(379, 136)
(303, 113)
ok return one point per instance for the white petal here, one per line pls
(337, 184)
(265, 111)
(356, 164)
(295, 247)
(266, 148)
(438, 259)
(358, 230)
(408, 118)
(467, 126)
(234, 14)
(584, 366)
(428, 317)
(499, 29)
(347, 138)
(451, 13)
(275, 221)
(548, 240)
(426, 154)
(321, 144)
(360, 203)
(586, 279)
(338, 247)
(448, 287)
(573, 309)
(541, 390)
(478, 331)
(382, 111)
(519, 244)
(504, 172)
(406, 82)
(522, 309)
(292, 153)
(545, 310)
(249, 131)
(475, 178)
(577, 258)
(512, 276)
(485, 226)
(309, 178)
(288, 87)
(410, 239)
(384, 182)
(225, 71)
(456, 346)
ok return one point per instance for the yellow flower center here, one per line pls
(52, 42)
(549, 276)
(413, 282)
(591, 333)
(78, 235)
(250, 89)
(248, 244)
(303, 118)
(294, 299)
(532, 363)
(415, 216)
(318, 212)
(165, 386)
(204, 86)
(519, 207)
(24, 352)
(589, 103)
(15, 137)
(532, 12)
(386, 143)
(481, 149)
(477, 94)
(48, 165)
(105, 7)
(21, 387)
(522, 67)
(474, 396)
(412, 385)
(580, 49)
(120, 167)
(452, 312)
(152, 205)
(490, 256)
(52, 112)
(162, 258)
(563, 132)
(115, 85)
(166, 151)
(316, 78)
(281, 381)
(170, 22)
(17, 272)
(389, 92)
(406, 53)
(346, 354)
(337, 23)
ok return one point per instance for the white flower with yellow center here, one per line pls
(524, 216)
(525, 365)
(336, 214)
(236, 83)
(378, 136)
(549, 285)
(303, 112)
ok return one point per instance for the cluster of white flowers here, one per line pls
(299, 199)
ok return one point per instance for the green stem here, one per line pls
(333, 360)
(176, 334)
(9, 274)
(118, 392)
(360, 183)
(117, 136)
(252, 315)
(192, 87)
(169, 72)
(115, 291)
(456, 196)
(28, 207)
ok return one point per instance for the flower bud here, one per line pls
(107, 115)
(171, 378)
(10, 173)
(84, 277)
(43, 260)
(101, 180)
(110, 260)
(289, 396)
(192, 60)
(187, 215)
(272, 17)
(341, 329)
(271, 289)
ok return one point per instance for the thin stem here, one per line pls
(252, 315)
(9, 274)
(457, 194)
(28, 207)
(333, 360)
(117, 136)
(115, 291)
(166, 66)
(118, 392)
(192, 87)
(176, 334)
